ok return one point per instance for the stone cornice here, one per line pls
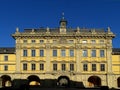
(80, 35)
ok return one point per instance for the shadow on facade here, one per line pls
(47, 83)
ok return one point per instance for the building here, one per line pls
(62, 54)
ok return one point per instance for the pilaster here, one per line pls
(18, 55)
(109, 56)
(78, 65)
(47, 57)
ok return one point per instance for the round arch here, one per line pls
(118, 81)
(33, 80)
(6, 81)
(63, 81)
(94, 81)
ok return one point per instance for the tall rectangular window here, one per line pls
(54, 53)
(102, 53)
(93, 53)
(33, 41)
(5, 67)
(71, 53)
(93, 67)
(63, 67)
(71, 67)
(85, 53)
(63, 53)
(33, 53)
(6, 58)
(102, 67)
(33, 66)
(41, 66)
(24, 41)
(41, 53)
(54, 67)
(24, 53)
(85, 67)
(93, 41)
(25, 66)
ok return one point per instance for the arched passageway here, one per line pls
(63, 81)
(34, 80)
(118, 82)
(94, 81)
(6, 81)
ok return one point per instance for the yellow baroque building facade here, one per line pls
(62, 54)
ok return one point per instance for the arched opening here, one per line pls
(6, 81)
(63, 81)
(34, 80)
(94, 81)
(118, 81)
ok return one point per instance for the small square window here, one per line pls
(84, 41)
(24, 41)
(93, 41)
(33, 41)
(41, 41)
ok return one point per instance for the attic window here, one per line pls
(5, 50)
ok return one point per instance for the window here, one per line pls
(41, 66)
(41, 41)
(25, 53)
(63, 53)
(6, 58)
(63, 67)
(93, 53)
(54, 41)
(85, 53)
(102, 67)
(33, 41)
(24, 66)
(85, 67)
(93, 41)
(71, 41)
(24, 41)
(71, 53)
(84, 41)
(102, 53)
(54, 67)
(41, 53)
(33, 67)
(54, 53)
(71, 67)
(33, 53)
(101, 41)
(93, 67)
(5, 67)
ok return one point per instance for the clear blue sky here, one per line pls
(43, 13)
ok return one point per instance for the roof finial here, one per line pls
(62, 15)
